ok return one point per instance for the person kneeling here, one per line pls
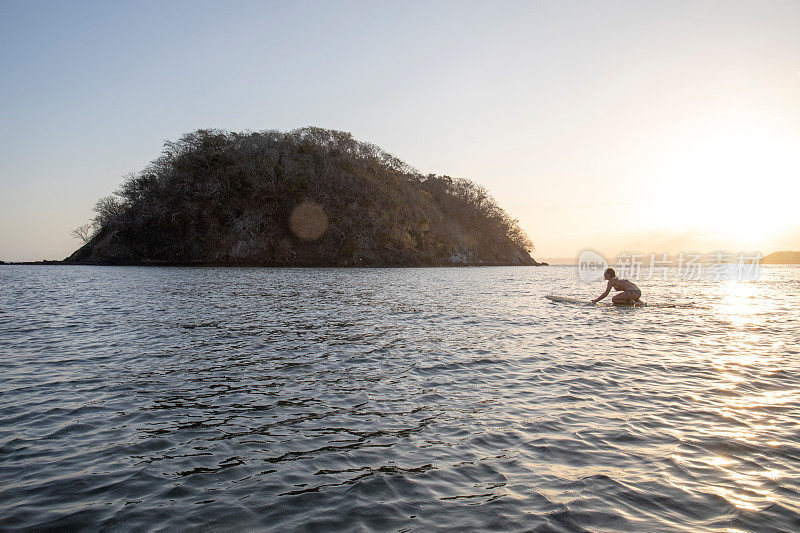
(629, 292)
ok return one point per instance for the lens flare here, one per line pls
(308, 221)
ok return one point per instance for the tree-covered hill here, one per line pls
(308, 197)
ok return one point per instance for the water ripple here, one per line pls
(394, 399)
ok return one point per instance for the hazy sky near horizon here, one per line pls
(638, 126)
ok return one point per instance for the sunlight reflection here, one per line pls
(749, 491)
(719, 461)
(738, 304)
(764, 399)
(736, 498)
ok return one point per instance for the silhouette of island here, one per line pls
(309, 197)
(782, 258)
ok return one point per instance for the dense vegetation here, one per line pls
(307, 197)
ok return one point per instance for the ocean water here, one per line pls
(395, 400)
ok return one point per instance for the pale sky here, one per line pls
(635, 126)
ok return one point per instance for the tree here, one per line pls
(84, 233)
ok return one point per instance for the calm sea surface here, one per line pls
(395, 399)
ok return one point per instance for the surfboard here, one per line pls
(577, 301)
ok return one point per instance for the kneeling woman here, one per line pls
(629, 294)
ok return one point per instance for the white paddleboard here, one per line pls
(577, 301)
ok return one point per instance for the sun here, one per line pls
(739, 187)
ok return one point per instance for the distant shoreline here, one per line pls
(774, 258)
(784, 257)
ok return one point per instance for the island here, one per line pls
(308, 197)
(782, 258)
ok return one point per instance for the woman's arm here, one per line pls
(608, 289)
